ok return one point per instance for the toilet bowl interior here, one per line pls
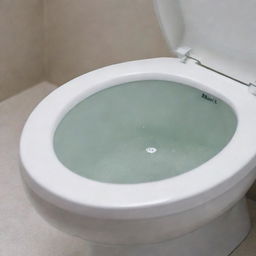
(143, 131)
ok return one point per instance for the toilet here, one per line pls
(154, 157)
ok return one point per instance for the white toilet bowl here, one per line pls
(194, 210)
(143, 213)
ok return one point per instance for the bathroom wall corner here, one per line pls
(21, 56)
(45, 41)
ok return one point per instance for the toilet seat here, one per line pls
(50, 179)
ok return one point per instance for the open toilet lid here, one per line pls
(221, 34)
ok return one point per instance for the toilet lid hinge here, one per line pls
(183, 53)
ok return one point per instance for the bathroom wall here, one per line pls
(56, 40)
(21, 45)
(82, 35)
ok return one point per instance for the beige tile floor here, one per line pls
(22, 231)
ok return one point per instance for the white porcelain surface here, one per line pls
(221, 34)
(208, 181)
(206, 241)
(24, 233)
(138, 213)
(137, 231)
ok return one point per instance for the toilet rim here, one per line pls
(51, 180)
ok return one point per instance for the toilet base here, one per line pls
(218, 238)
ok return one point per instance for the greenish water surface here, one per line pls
(143, 131)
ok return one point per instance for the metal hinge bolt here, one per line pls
(183, 53)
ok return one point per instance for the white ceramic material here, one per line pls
(187, 215)
(219, 33)
(147, 212)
